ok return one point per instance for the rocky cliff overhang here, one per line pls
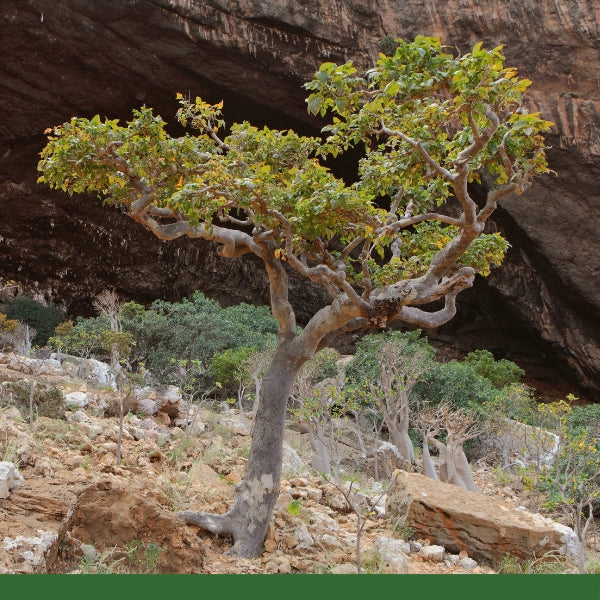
(75, 57)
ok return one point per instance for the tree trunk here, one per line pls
(463, 469)
(320, 457)
(428, 466)
(248, 518)
(400, 438)
(31, 398)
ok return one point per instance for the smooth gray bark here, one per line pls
(248, 519)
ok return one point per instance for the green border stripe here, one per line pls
(304, 587)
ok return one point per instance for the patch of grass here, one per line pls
(144, 558)
(401, 529)
(174, 492)
(179, 449)
(8, 451)
(294, 507)
(546, 565)
(95, 563)
(224, 431)
(213, 455)
(371, 563)
(592, 565)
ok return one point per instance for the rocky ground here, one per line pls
(74, 510)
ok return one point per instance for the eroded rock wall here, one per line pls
(67, 57)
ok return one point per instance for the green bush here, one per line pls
(458, 383)
(42, 317)
(583, 418)
(84, 338)
(224, 366)
(193, 329)
(500, 372)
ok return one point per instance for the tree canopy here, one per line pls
(430, 124)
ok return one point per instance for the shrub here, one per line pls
(500, 372)
(195, 328)
(84, 338)
(365, 367)
(225, 366)
(582, 418)
(458, 383)
(43, 318)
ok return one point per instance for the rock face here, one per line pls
(10, 478)
(461, 520)
(71, 57)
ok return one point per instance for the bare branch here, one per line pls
(430, 320)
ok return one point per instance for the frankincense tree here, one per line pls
(430, 123)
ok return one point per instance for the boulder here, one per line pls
(164, 398)
(523, 444)
(10, 478)
(389, 460)
(77, 399)
(433, 553)
(486, 528)
(90, 369)
(291, 462)
(27, 365)
(393, 554)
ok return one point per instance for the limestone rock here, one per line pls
(77, 399)
(292, 463)
(344, 569)
(523, 444)
(433, 553)
(164, 398)
(461, 520)
(10, 478)
(31, 550)
(389, 460)
(25, 364)
(90, 369)
(330, 542)
(389, 548)
(392, 553)
(302, 535)
(467, 563)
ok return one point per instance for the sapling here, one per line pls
(361, 512)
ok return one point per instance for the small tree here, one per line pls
(572, 481)
(17, 336)
(314, 396)
(460, 425)
(574, 484)
(255, 367)
(402, 364)
(430, 125)
(82, 338)
(428, 420)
